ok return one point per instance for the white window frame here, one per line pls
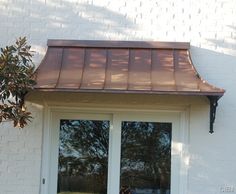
(179, 143)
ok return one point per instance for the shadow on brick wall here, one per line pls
(227, 42)
(210, 153)
(39, 21)
(218, 69)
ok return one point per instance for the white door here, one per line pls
(114, 152)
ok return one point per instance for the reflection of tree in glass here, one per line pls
(83, 156)
(146, 155)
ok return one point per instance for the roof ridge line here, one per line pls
(117, 44)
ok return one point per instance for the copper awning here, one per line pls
(124, 67)
(121, 66)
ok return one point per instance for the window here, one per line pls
(145, 157)
(114, 152)
(83, 156)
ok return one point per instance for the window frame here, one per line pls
(179, 142)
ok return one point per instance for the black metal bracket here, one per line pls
(213, 105)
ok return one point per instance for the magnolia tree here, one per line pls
(16, 80)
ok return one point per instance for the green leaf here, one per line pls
(16, 78)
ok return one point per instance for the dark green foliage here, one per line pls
(16, 79)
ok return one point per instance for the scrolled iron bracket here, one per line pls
(213, 105)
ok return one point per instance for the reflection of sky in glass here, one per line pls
(146, 157)
(83, 156)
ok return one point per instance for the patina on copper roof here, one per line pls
(121, 66)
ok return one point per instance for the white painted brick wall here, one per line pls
(20, 156)
(210, 26)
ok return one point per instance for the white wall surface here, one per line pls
(209, 25)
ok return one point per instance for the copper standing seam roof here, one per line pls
(121, 66)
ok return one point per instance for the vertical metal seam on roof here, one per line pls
(105, 77)
(175, 64)
(151, 67)
(128, 69)
(58, 79)
(199, 80)
(84, 64)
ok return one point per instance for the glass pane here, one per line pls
(83, 157)
(145, 158)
